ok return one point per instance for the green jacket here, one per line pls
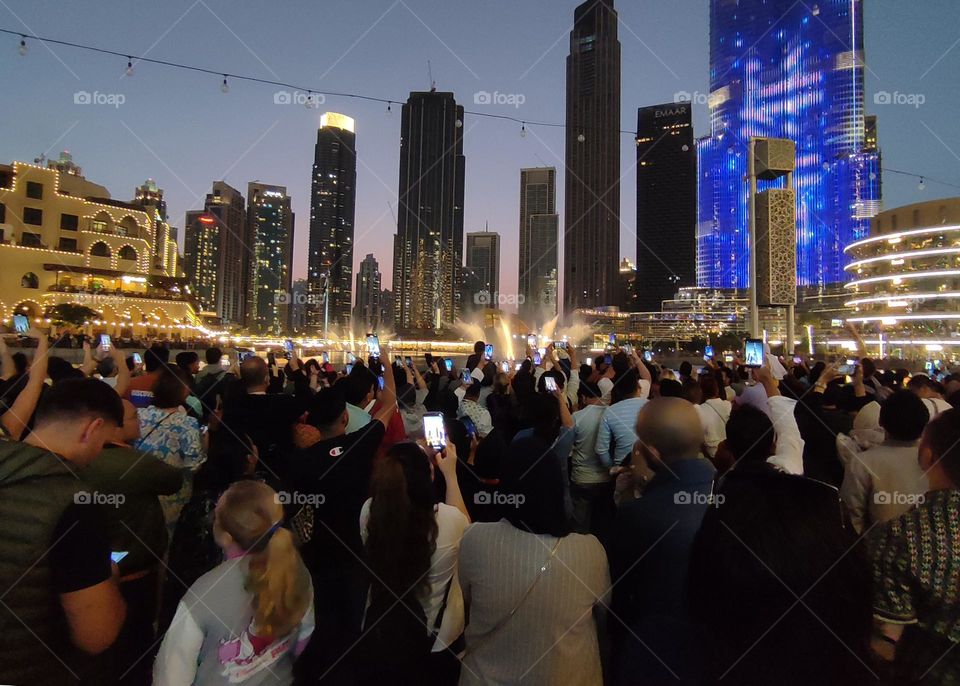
(36, 487)
(136, 524)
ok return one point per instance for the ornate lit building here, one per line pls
(904, 280)
(64, 241)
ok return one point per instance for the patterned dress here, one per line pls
(173, 437)
(917, 583)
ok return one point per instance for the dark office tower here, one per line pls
(428, 247)
(217, 256)
(332, 204)
(781, 69)
(270, 228)
(481, 286)
(592, 210)
(366, 313)
(539, 244)
(666, 204)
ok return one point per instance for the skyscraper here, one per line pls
(592, 189)
(482, 286)
(366, 312)
(787, 71)
(539, 243)
(217, 254)
(332, 206)
(666, 204)
(270, 228)
(428, 247)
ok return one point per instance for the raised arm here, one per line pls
(15, 419)
(123, 374)
(89, 364)
(388, 396)
(7, 367)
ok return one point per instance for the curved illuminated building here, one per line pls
(904, 280)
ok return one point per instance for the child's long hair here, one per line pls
(251, 513)
(402, 529)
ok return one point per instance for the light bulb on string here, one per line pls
(129, 70)
(23, 45)
(224, 87)
(581, 138)
(459, 123)
(921, 185)
(523, 129)
(389, 107)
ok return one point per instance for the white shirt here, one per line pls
(714, 414)
(451, 523)
(789, 455)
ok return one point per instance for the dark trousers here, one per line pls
(593, 508)
(134, 650)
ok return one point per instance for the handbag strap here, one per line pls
(443, 608)
(499, 625)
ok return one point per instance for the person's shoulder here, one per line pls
(225, 573)
(451, 516)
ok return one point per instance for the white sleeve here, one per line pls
(789, 455)
(644, 388)
(306, 629)
(176, 663)
(573, 386)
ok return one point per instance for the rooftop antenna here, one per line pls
(486, 226)
(392, 213)
(433, 84)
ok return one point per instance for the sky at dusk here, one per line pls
(179, 129)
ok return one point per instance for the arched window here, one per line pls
(100, 250)
(128, 227)
(29, 280)
(128, 253)
(101, 222)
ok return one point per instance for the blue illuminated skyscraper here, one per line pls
(786, 70)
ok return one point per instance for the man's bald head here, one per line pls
(254, 373)
(671, 427)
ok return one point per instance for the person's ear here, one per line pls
(345, 418)
(92, 428)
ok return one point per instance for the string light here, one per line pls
(523, 130)
(389, 108)
(224, 87)
(23, 45)
(129, 71)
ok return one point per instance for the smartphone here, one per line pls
(409, 361)
(708, 352)
(434, 430)
(105, 342)
(753, 352)
(325, 356)
(627, 348)
(505, 366)
(588, 361)
(288, 348)
(531, 340)
(542, 351)
(428, 358)
(349, 368)
(469, 426)
(373, 344)
(138, 359)
(118, 555)
(351, 358)
(518, 366)
(608, 359)
(380, 382)
(560, 345)
(449, 365)
(488, 352)
(648, 355)
(847, 369)
(466, 377)
(612, 339)
(550, 384)
(728, 358)
(797, 359)
(537, 359)
(21, 323)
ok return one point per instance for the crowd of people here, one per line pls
(199, 520)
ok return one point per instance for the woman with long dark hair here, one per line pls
(530, 584)
(412, 545)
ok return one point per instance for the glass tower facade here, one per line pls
(786, 70)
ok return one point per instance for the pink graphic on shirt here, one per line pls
(248, 654)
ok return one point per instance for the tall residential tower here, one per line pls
(539, 244)
(271, 222)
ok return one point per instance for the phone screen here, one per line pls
(373, 344)
(612, 338)
(550, 384)
(449, 365)
(137, 359)
(648, 355)
(466, 376)
(21, 323)
(537, 359)
(518, 366)
(797, 359)
(380, 382)
(488, 351)
(349, 368)
(588, 361)
(409, 361)
(469, 425)
(708, 352)
(288, 347)
(753, 352)
(531, 340)
(325, 356)
(434, 430)
(505, 366)
(351, 358)
(608, 359)
(560, 345)
(105, 342)
(118, 555)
